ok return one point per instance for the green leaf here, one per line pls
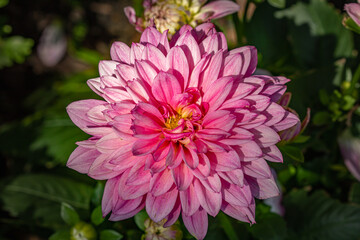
(320, 217)
(227, 226)
(14, 49)
(267, 33)
(61, 235)
(98, 193)
(294, 153)
(277, 3)
(42, 189)
(301, 139)
(110, 235)
(354, 194)
(321, 118)
(96, 216)
(58, 137)
(68, 214)
(323, 20)
(269, 226)
(351, 25)
(306, 177)
(140, 219)
(3, 3)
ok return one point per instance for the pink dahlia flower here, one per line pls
(172, 14)
(184, 128)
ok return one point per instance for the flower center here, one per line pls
(172, 122)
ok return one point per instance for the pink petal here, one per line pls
(78, 114)
(82, 158)
(250, 151)
(212, 134)
(209, 200)
(145, 146)
(95, 85)
(236, 195)
(190, 47)
(257, 169)
(109, 143)
(189, 201)
(138, 175)
(220, 119)
(233, 177)
(128, 192)
(212, 183)
(174, 214)
(182, 176)
(165, 86)
(156, 57)
(149, 111)
(203, 169)
(263, 188)
(247, 57)
(136, 52)
(120, 52)
(217, 9)
(353, 9)
(224, 161)
(159, 207)
(274, 113)
(213, 44)
(198, 69)
(130, 14)
(218, 92)
(177, 64)
(273, 154)
(99, 170)
(111, 81)
(121, 216)
(197, 224)
(211, 73)
(201, 31)
(190, 157)
(243, 214)
(126, 71)
(145, 71)
(110, 196)
(107, 67)
(161, 182)
(150, 35)
(288, 121)
(265, 136)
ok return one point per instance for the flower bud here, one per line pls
(157, 231)
(82, 231)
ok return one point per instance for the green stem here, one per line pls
(355, 79)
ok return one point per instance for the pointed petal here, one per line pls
(159, 207)
(182, 176)
(150, 35)
(263, 188)
(119, 51)
(209, 200)
(161, 182)
(178, 64)
(197, 224)
(165, 86)
(82, 158)
(218, 9)
(189, 201)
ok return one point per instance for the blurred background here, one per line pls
(48, 49)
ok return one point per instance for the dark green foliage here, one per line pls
(303, 40)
